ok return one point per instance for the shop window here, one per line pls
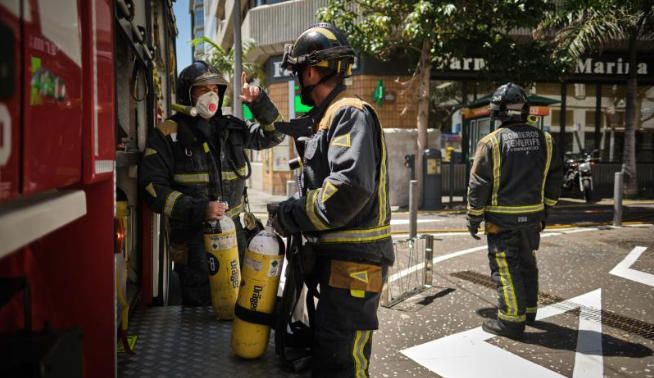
(199, 17)
(590, 119)
(556, 117)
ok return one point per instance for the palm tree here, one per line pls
(581, 26)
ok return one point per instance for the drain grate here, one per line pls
(609, 318)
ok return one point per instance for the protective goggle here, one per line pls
(290, 62)
(320, 58)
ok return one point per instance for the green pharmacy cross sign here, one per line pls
(300, 108)
(378, 95)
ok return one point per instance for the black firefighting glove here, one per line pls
(273, 215)
(472, 223)
(546, 214)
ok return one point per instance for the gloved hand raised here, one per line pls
(472, 223)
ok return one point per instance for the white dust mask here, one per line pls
(207, 105)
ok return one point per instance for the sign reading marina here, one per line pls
(608, 67)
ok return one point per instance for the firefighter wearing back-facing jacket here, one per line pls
(515, 179)
(344, 208)
(192, 165)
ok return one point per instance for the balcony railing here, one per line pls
(271, 26)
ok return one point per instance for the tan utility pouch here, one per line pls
(492, 229)
(179, 253)
(356, 277)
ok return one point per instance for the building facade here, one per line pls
(271, 24)
(197, 9)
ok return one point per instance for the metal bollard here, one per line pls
(413, 208)
(429, 259)
(617, 199)
(451, 186)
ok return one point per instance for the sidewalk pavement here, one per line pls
(259, 199)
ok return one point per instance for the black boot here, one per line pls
(500, 328)
(531, 318)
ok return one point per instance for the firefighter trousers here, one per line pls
(512, 260)
(345, 318)
(194, 276)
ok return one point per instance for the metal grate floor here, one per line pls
(177, 341)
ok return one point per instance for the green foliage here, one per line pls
(582, 26)
(224, 60)
(485, 29)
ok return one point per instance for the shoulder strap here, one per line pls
(167, 127)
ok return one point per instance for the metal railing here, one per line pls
(412, 272)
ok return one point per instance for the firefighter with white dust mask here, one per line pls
(194, 168)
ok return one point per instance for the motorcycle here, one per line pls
(578, 172)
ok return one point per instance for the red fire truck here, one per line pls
(81, 83)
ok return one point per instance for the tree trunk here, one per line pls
(631, 123)
(424, 74)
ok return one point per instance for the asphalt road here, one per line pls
(597, 304)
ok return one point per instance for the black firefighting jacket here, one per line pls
(190, 161)
(345, 176)
(516, 174)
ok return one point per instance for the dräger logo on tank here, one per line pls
(234, 277)
(256, 295)
(522, 141)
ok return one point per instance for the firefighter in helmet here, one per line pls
(515, 179)
(194, 168)
(343, 209)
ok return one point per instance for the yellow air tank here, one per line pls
(262, 267)
(224, 272)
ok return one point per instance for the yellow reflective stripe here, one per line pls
(360, 361)
(150, 151)
(150, 189)
(550, 202)
(507, 284)
(357, 362)
(206, 147)
(357, 236)
(531, 310)
(511, 318)
(548, 148)
(515, 209)
(344, 140)
(192, 178)
(364, 360)
(310, 209)
(497, 173)
(328, 191)
(271, 126)
(473, 211)
(170, 202)
(381, 194)
(234, 211)
(231, 175)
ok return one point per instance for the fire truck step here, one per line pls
(180, 341)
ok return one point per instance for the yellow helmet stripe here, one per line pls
(326, 32)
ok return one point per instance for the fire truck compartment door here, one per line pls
(10, 40)
(52, 95)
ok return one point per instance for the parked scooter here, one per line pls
(578, 172)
